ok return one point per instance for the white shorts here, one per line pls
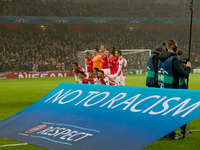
(106, 71)
(79, 81)
(120, 80)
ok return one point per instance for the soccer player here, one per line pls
(120, 75)
(96, 59)
(76, 70)
(125, 62)
(88, 62)
(114, 59)
(95, 73)
(82, 78)
(91, 77)
(111, 63)
(104, 60)
(103, 79)
(110, 80)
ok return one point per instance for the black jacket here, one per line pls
(177, 69)
(155, 60)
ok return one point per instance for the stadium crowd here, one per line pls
(61, 8)
(49, 50)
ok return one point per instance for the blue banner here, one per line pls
(98, 117)
(92, 20)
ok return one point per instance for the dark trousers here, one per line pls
(173, 133)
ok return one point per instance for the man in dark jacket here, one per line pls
(171, 74)
(152, 67)
(170, 69)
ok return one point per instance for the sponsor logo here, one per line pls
(2, 76)
(148, 68)
(62, 20)
(135, 21)
(35, 129)
(42, 75)
(99, 21)
(169, 22)
(196, 71)
(60, 133)
(162, 71)
(21, 20)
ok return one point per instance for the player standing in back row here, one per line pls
(114, 59)
(111, 63)
(104, 60)
(120, 75)
(88, 62)
(96, 59)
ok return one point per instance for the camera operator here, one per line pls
(170, 67)
(152, 67)
(171, 74)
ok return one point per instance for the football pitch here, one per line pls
(17, 94)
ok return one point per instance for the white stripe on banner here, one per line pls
(22, 134)
(47, 123)
(13, 145)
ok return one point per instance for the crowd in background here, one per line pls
(61, 8)
(51, 50)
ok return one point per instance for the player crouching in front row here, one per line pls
(100, 79)
(91, 78)
(82, 78)
(104, 79)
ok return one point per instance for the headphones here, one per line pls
(175, 48)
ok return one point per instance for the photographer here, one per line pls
(171, 74)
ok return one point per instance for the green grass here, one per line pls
(17, 94)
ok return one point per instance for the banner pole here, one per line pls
(190, 42)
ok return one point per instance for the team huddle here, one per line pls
(104, 69)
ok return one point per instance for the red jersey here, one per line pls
(115, 63)
(89, 64)
(76, 72)
(104, 61)
(91, 80)
(111, 66)
(84, 81)
(106, 81)
(103, 81)
(120, 66)
(111, 81)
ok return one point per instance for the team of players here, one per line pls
(104, 69)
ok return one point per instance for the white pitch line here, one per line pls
(192, 130)
(13, 145)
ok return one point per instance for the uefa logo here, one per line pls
(35, 129)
